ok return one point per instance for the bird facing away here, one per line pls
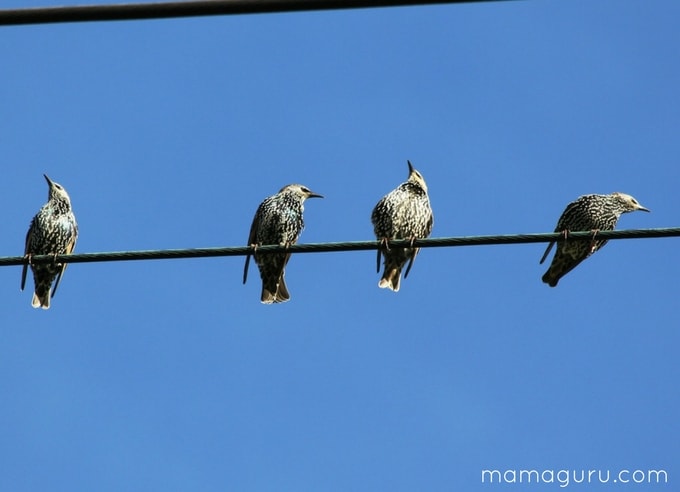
(404, 213)
(278, 220)
(53, 231)
(587, 213)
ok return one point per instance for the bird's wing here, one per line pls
(430, 223)
(547, 251)
(375, 220)
(69, 249)
(561, 227)
(27, 248)
(252, 237)
(410, 263)
(428, 231)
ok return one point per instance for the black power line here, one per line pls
(166, 10)
(171, 254)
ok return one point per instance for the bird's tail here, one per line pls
(560, 266)
(274, 291)
(391, 278)
(551, 278)
(41, 296)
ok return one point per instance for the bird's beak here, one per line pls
(643, 209)
(314, 195)
(49, 181)
(410, 167)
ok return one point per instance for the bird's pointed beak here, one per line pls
(314, 195)
(410, 167)
(644, 209)
(49, 181)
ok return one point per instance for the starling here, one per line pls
(278, 220)
(587, 213)
(404, 213)
(53, 231)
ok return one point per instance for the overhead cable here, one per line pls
(166, 10)
(170, 254)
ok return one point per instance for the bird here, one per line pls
(404, 213)
(53, 231)
(586, 213)
(278, 220)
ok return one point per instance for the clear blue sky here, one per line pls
(170, 375)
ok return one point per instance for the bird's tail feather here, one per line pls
(560, 266)
(551, 278)
(273, 292)
(547, 251)
(390, 279)
(41, 300)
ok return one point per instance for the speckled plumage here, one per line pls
(278, 220)
(53, 231)
(586, 213)
(404, 213)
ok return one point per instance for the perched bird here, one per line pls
(53, 231)
(587, 213)
(404, 213)
(278, 220)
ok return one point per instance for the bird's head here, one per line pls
(628, 203)
(415, 177)
(300, 190)
(56, 191)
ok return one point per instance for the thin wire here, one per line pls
(166, 10)
(173, 254)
